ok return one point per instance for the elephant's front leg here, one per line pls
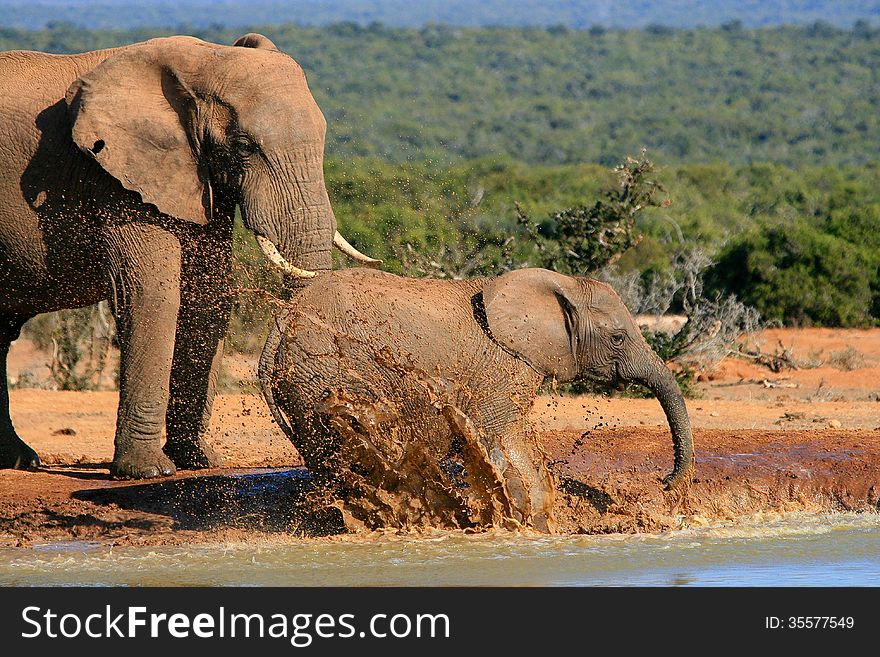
(201, 327)
(512, 446)
(527, 477)
(145, 296)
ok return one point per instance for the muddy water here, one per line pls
(830, 550)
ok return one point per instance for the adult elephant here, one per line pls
(409, 398)
(120, 172)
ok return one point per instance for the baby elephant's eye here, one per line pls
(617, 339)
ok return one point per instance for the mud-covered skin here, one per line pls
(120, 173)
(376, 407)
(402, 400)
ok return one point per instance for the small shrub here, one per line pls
(25, 379)
(812, 360)
(847, 360)
(577, 240)
(491, 256)
(583, 239)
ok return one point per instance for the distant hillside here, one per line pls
(791, 95)
(577, 14)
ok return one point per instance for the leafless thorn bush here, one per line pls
(714, 327)
(812, 360)
(653, 296)
(81, 339)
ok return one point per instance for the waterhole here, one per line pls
(796, 550)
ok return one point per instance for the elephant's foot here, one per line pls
(15, 454)
(192, 455)
(142, 463)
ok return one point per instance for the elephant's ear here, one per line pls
(255, 40)
(530, 313)
(136, 116)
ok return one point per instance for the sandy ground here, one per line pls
(804, 439)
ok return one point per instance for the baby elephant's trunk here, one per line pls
(661, 381)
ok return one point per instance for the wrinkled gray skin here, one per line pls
(378, 378)
(120, 171)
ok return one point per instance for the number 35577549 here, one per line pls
(809, 622)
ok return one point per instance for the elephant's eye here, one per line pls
(617, 339)
(246, 146)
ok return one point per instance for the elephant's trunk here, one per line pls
(293, 220)
(266, 373)
(310, 243)
(291, 214)
(661, 381)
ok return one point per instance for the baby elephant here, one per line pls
(408, 398)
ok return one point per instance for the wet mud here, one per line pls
(608, 481)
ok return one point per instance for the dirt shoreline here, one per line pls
(766, 443)
(609, 481)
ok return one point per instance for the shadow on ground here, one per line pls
(600, 500)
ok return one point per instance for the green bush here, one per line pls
(798, 274)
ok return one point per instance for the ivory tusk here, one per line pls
(278, 260)
(342, 244)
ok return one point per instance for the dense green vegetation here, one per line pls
(766, 142)
(788, 95)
